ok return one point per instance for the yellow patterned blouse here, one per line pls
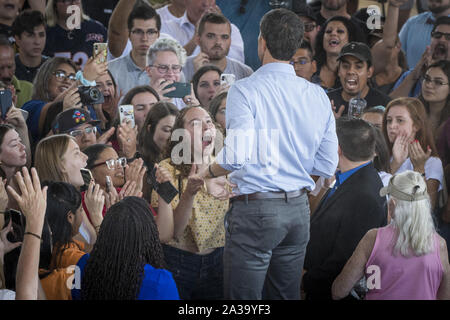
(205, 229)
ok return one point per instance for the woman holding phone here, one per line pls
(165, 60)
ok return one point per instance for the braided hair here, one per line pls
(128, 239)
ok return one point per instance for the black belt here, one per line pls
(269, 195)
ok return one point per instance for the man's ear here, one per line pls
(314, 66)
(147, 69)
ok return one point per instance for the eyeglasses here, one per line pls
(61, 76)
(77, 133)
(435, 82)
(150, 32)
(299, 62)
(438, 35)
(113, 163)
(164, 68)
(309, 26)
(68, 1)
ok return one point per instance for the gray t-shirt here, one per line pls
(127, 74)
(235, 67)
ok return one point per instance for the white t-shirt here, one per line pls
(433, 169)
(165, 14)
(385, 177)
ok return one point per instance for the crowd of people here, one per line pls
(167, 150)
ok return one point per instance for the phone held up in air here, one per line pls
(166, 190)
(5, 102)
(227, 78)
(182, 89)
(126, 111)
(108, 183)
(100, 47)
(87, 177)
(18, 223)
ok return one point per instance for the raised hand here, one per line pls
(191, 99)
(104, 138)
(32, 201)
(200, 60)
(94, 68)
(3, 197)
(135, 171)
(418, 156)
(195, 183)
(162, 174)
(337, 114)
(127, 136)
(72, 99)
(5, 245)
(160, 86)
(94, 200)
(220, 188)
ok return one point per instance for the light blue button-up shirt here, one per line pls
(127, 74)
(280, 130)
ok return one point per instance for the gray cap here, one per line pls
(392, 190)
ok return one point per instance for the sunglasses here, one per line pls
(438, 35)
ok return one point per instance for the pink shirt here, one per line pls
(402, 278)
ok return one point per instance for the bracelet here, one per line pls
(83, 81)
(32, 234)
(210, 172)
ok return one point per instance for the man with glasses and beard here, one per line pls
(415, 34)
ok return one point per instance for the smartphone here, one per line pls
(182, 89)
(166, 190)
(101, 47)
(126, 111)
(5, 102)
(108, 183)
(87, 176)
(227, 78)
(18, 222)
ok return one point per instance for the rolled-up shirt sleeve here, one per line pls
(326, 158)
(238, 146)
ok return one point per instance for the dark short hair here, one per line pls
(200, 72)
(145, 12)
(26, 21)
(307, 46)
(441, 20)
(356, 138)
(137, 90)
(214, 18)
(283, 32)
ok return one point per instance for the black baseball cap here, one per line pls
(358, 50)
(303, 10)
(71, 119)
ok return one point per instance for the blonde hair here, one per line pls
(412, 219)
(51, 15)
(48, 159)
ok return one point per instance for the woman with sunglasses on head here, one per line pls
(56, 81)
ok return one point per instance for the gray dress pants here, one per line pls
(265, 248)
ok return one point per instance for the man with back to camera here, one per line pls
(347, 211)
(267, 227)
(214, 39)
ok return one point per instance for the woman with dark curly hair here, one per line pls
(127, 261)
(334, 34)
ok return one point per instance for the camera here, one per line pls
(286, 4)
(90, 95)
